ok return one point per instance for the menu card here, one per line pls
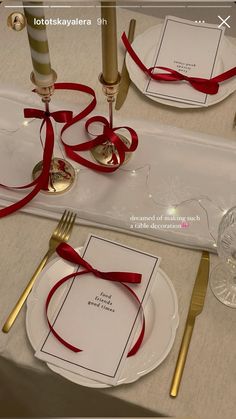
(100, 316)
(190, 48)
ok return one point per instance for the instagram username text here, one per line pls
(68, 22)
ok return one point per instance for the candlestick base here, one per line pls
(106, 154)
(61, 178)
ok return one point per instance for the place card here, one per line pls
(190, 48)
(99, 316)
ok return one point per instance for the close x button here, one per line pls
(224, 21)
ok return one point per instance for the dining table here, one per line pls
(28, 388)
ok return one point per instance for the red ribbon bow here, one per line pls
(58, 116)
(67, 252)
(208, 86)
(109, 134)
(42, 181)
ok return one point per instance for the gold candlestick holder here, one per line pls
(62, 174)
(106, 153)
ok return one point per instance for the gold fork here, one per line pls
(61, 234)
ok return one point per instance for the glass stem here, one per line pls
(110, 102)
(46, 106)
(46, 102)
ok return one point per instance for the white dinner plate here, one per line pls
(145, 47)
(161, 316)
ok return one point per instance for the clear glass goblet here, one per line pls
(223, 277)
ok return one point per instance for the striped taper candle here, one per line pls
(43, 73)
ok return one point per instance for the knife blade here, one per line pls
(195, 308)
(125, 79)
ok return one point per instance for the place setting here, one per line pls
(107, 314)
(201, 51)
(126, 320)
(105, 323)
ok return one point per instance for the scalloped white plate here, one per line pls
(161, 315)
(145, 47)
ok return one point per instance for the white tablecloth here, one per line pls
(27, 386)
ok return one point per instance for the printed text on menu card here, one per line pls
(100, 317)
(189, 48)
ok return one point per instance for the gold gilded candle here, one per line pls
(109, 42)
(37, 35)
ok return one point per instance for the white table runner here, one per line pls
(175, 187)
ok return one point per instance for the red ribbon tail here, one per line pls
(132, 53)
(138, 342)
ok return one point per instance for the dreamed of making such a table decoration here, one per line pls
(109, 150)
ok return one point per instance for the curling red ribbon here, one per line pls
(109, 134)
(208, 86)
(72, 151)
(42, 181)
(67, 252)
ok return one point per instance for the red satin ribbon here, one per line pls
(71, 150)
(42, 181)
(209, 86)
(108, 134)
(67, 252)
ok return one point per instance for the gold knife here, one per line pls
(195, 308)
(125, 80)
